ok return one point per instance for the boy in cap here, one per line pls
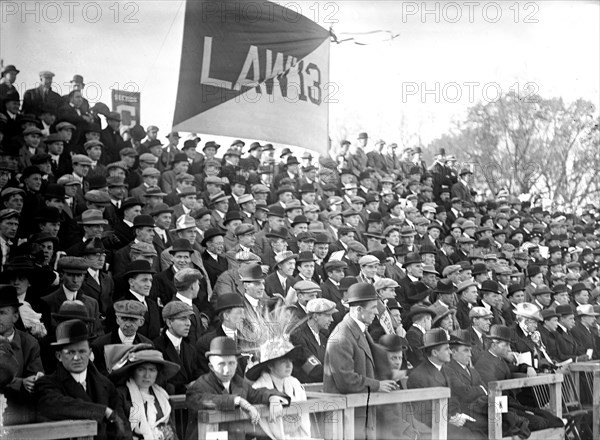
(130, 317)
(77, 390)
(225, 390)
(174, 345)
(187, 283)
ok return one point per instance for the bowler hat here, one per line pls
(412, 258)
(55, 191)
(211, 233)
(181, 245)
(305, 257)
(500, 332)
(541, 290)
(229, 301)
(160, 209)
(251, 272)
(69, 332)
(222, 346)
(435, 337)
(49, 214)
(549, 314)
(490, 286)
(361, 292)
(73, 310)
(143, 221)
(43, 237)
(8, 296)
(129, 202)
(346, 282)
(514, 288)
(420, 310)
(138, 267)
(393, 343)
(232, 215)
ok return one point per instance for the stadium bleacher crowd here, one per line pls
(136, 266)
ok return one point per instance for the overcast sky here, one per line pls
(473, 49)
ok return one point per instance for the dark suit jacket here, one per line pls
(567, 345)
(107, 339)
(461, 191)
(414, 355)
(163, 286)
(33, 100)
(56, 298)
(152, 320)
(203, 345)
(304, 337)
(426, 375)
(187, 360)
(113, 143)
(549, 340)
(208, 393)
(196, 328)
(467, 389)
(585, 339)
(273, 286)
(61, 398)
(462, 314)
(102, 293)
(214, 268)
(477, 345)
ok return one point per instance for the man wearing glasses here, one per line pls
(77, 390)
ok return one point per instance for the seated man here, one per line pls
(567, 345)
(421, 322)
(430, 373)
(27, 350)
(224, 390)
(130, 317)
(76, 390)
(174, 346)
(492, 365)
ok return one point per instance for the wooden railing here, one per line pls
(495, 388)
(180, 415)
(330, 406)
(65, 429)
(593, 369)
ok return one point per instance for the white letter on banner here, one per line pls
(272, 69)
(251, 61)
(205, 72)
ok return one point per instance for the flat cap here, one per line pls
(306, 286)
(130, 309)
(321, 305)
(148, 158)
(68, 179)
(97, 196)
(184, 276)
(368, 259)
(448, 270)
(145, 249)
(385, 283)
(81, 159)
(357, 247)
(334, 265)
(177, 309)
(9, 213)
(150, 171)
(72, 265)
(244, 229)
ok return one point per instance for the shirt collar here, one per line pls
(69, 293)
(253, 301)
(183, 299)
(175, 340)
(361, 325)
(80, 377)
(140, 298)
(124, 339)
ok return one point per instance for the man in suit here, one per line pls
(312, 337)
(480, 321)
(461, 189)
(138, 276)
(72, 272)
(414, 272)
(143, 230)
(111, 138)
(349, 366)
(34, 100)
(306, 290)
(467, 299)
(567, 345)
(583, 330)
(175, 347)
(162, 216)
(281, 280)
(214, 261)
(130, 317)
(431, 373)
(230, 281)
(223, 389)
(77, 390)
(27, 353)
(492, 366)
(421, 318)
(246, 241)
(187, 284)
(97, 283)
(231, 313)
(9, 225)
(548, 333)
(330, 288)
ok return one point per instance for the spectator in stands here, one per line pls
(224, 390)
(129, 318)
(35, 99)
(76, 390)
(137, 370)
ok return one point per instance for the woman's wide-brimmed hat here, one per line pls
(121, 359)
(272, 351)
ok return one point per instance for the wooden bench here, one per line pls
(495, 388)
(592, 369)
(65, 429)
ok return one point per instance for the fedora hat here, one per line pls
(121, 359)
(443, 288)
(283, 257)
(8, 296)
(137, 267)
(211, 233)
(270, 352)
(160, 209)
(71, 332)
(222, 346)
(435, 337)
(412, 258)
(440, 313)
(92, 217)
(514, 288)
(93, 246)
(229, 301)
(361, 292)
(461, 337)
(72, 310)
(529, 310)
(490, 286)
(586, 310)
(181, 245)
(421, 292)
(305, 257)
(393, 343)
(578, 287)
(500, 332)
(345, 284)
(565, 309)
(251, 272)
(129, 202)
(419, 310)
(19, 266)
(184, 222)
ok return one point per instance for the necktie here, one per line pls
(178, 349)
(83, 385)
